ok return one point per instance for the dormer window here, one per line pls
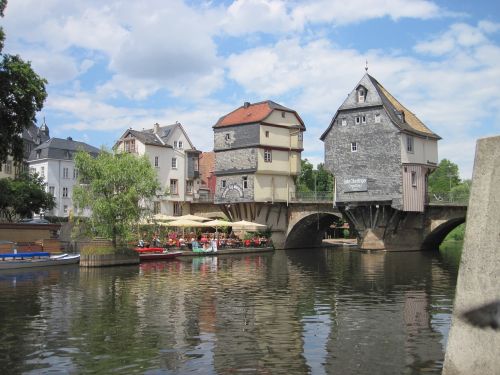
(361, 94)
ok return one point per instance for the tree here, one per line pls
(311, 180)
(324, 179)
(444, 178)
(115, 187)
(22, 93)
(24, 195)
(305, 180)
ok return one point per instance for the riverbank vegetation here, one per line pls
(114, 186)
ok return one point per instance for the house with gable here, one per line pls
(53, 161)
(379, 151)
(257, 153)
(175, 160)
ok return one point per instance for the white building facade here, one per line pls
(175, 160)
(54, 161)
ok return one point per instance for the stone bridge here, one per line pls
(303, 224)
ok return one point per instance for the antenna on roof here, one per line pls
(366, 66)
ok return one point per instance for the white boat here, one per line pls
(13, 261)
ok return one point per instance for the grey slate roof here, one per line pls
(400, 116)
(149, 137)
(58, 148)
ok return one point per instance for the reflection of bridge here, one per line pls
(303, 221)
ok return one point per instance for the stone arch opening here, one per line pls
(434, 238)
(309, 231)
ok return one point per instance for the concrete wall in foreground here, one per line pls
(472, 350)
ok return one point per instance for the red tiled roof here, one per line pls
(243, 115)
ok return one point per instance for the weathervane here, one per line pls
(366, 65)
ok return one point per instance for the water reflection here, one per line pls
(302, 311)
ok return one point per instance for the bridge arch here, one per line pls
(308, 230)
(434, 238)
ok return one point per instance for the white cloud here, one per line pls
(341, 12)
(460, 36)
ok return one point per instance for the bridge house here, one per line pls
(378, 150)
(381, 155)
(257, 153)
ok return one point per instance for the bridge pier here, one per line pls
(381, 227)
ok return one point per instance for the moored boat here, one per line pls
(156, 253)
(37, 259)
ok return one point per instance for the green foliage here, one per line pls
(310, 180)
(113, 186)
(22, 93)
(456, 234)
(105, 250)
(22, 196)
(444, 178)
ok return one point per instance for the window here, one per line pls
(227, 137)
(130, 146)
(301, 136)
(156, 161)
(268, 156)
(363, 119)
(245, 182)
(38, 152)
(42, 172)
(52, 190)
(358, 120)
(267, 133)
(377, 118)
(189, 187)
(361, 95)
(156, 207)
(177, 209)
(409, 143)
(180, 144)
(223, 183)
(175, 144)
(75, 174)
(8, 167)
(414, 178)
(32, 170)
(196, 165)
(174, 163)
(354, 146)
(65, 192)
(65, 209)
(65, 172)
(283, 114)
(174, 187)
(343, 121)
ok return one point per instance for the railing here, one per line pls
(448, 197)
(311, 196)
(205, 198)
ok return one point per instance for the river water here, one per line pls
(313, 311)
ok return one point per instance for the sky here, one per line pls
(118, 64)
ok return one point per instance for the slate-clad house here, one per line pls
(54, 161)
(378, 150)
(257, 153)
(175, 160)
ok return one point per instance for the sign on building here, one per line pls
(355, 184)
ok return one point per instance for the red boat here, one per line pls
(156, 253)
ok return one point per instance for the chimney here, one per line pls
(69, 139)
(246, 104)
(157, 128)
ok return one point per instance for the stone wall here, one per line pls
(234, 161)
(378, 158)
(234, 190)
